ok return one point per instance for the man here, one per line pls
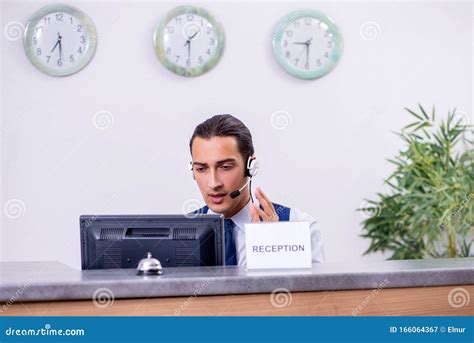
(223, 161)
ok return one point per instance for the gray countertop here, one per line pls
(35, 281)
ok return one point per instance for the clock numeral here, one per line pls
(48, 58)
(296, 61)
(318, 62)
(35, 40)
(70, 19)
(308, 21)
(79, 28)
(190, 17)
(296, 24)
(208, 51)
(47, 20)
(71, 58)
(200, 60)
(306, 66)
(168, 51)
(83, 39)
(212, 41)
(170, 29)
(289, 33)
(329, 44)
(327, 54)
(177, 20)
(59, 16)
(188, 62)
(60, 63)
(285, 43)
(177, 58)
(287, 55)
(38, 51)
(79, 50)
(209, 30)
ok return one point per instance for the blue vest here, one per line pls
(282, 211)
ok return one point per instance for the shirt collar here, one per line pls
(240, 218)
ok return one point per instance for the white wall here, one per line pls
(326, 162)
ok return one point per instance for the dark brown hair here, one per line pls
(223, 125)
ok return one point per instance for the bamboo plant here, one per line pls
(428, 211)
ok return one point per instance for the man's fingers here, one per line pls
(264, 195)
(265, 217)
(254, 214)
(268, 208)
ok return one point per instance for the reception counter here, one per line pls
(406, 287)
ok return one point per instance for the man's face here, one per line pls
(218, 169)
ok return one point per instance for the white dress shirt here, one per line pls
(243, 216)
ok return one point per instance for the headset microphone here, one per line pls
(236, 193)
(250, 171)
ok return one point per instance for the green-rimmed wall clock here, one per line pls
(307, 44)
(189, 41)
(59, 39)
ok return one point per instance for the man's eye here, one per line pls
(226, 167)
(200, 169)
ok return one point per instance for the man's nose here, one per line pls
(214, 181)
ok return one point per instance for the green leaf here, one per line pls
(413, 113)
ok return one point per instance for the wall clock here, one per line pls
(59, 39)
(307, 44)
(189, 41)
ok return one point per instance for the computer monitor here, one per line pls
(121, 241)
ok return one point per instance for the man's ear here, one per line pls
(192, 169)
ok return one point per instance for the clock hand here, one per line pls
(297, 58)
(60, 51)
(188, 43)
(54, 47)
(307, 53)
(194, 35)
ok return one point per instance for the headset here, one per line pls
(251, 169)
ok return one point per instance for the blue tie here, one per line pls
(230, 252)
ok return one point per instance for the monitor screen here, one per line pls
(121, 241)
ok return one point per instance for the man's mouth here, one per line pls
(217, 198)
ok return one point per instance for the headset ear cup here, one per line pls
(252, 167)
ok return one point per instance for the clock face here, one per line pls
(189, 41)
(307, 44)
(60, 40)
